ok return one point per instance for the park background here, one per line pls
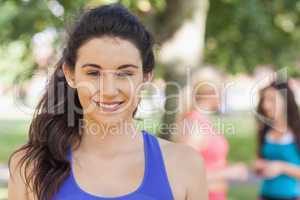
(244, 42)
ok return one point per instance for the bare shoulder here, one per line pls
(17, 188)
(185, 170)
(174, 152)
(15, 167)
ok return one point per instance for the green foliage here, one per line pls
(16, 63)
(239, 35)
(20, 20)
(137, 6)
(242, 34)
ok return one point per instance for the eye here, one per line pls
(93, 73)
(124, 73)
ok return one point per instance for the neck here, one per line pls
(280, 126)
(101, 139)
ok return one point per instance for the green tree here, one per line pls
(243, 34)
(20, 20)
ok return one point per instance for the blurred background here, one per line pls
(243, 42)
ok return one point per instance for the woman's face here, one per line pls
(108, 76)
(273, 104)
(207, 98)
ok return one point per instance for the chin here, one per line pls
(110, 118)
(270, 116)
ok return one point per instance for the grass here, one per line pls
(244, 192)
(238, 129)
(241, 134)
(13, 133)
(3, 193)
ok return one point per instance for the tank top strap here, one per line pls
(156, 166)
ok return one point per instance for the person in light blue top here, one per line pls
(83, 141)
(278, 160)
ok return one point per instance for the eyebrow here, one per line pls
(98, 66)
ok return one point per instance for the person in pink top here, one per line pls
(195, 128)
(215, 158)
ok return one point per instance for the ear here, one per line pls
(148, 77)
(69, 74)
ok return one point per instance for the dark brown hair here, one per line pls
(292, 113)
(56, 122)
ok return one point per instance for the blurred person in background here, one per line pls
(195, 128)
(278, 162)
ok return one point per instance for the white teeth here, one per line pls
(108, 105)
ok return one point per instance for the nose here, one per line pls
(108, 87)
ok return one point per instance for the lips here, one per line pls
(109, 106)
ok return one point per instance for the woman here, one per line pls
(82, 140)
(196, 130)
(278, 143)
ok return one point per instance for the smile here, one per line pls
(109, 106)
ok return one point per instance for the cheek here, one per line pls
(86, 88)
(85, 94)
(131, 85)
(265, 106)
(268, 105)
(280, 106)
(132, 91)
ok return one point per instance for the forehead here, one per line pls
(109, 52)
(205, 89)
(270, 92)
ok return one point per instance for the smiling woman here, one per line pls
(95, 68)
(82, 140)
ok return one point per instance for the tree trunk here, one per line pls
(179, 56)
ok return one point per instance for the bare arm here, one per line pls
(197, 185)
(291, 170)
(274, 168)
(236, 171)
